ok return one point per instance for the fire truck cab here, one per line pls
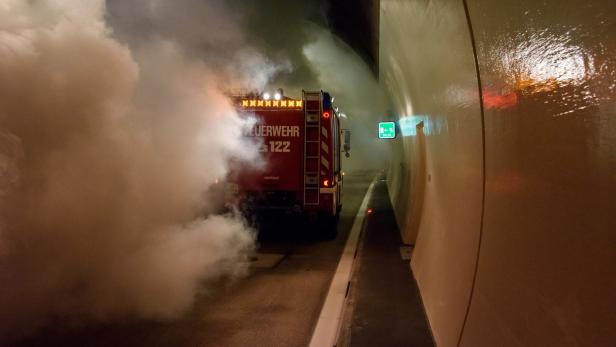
(299, 140)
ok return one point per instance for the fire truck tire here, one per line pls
(329, 226)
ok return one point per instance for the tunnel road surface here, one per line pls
(277, 304)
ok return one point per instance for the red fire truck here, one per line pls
(299, 141)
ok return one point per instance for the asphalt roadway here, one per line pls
(277, 304)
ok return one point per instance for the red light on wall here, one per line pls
(495, 101)
(326, 115)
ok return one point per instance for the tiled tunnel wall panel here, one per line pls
(427, 64)
(546, 268)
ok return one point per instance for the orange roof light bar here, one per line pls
(250, 103)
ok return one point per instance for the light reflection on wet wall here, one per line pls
(549, 226)
(547, 241)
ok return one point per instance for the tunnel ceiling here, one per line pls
(357, 23)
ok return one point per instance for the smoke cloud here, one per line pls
(358, 93)
(114, 127)
(110, 136)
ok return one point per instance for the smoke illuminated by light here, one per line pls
(108, 150)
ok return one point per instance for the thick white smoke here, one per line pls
(106, 156)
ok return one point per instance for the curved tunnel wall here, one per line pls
(505, 174)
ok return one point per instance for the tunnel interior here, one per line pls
(503, 176)
(493, 178)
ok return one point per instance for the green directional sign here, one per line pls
(387, 130)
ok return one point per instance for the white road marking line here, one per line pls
(326, 331)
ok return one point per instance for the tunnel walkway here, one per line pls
(383, 307)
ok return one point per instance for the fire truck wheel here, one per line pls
(329, 226)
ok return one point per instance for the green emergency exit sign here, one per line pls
(387, 130)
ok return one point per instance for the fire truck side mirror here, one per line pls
(347, 142)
